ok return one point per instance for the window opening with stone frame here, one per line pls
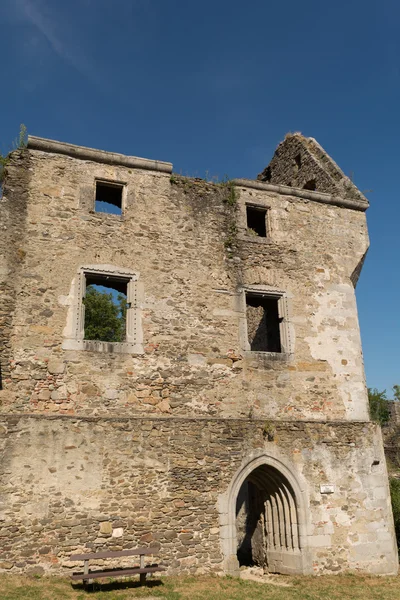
(115, 281)
(264, 320)
(256, 220)
(105, 304)
(108, 198)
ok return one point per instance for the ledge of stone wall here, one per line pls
(83, 153)
(112, 158)
(304, 194)
(16, 416)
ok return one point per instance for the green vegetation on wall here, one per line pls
(378, 406)
(380, 413)
(395, 496)
(18, 144)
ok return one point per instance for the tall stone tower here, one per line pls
(228, 423)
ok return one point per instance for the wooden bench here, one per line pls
(141, 570)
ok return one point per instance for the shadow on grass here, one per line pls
(96, 586)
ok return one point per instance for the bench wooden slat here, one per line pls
(118, 573)
(116, 554)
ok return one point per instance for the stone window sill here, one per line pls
(243, 237)
(267, 357)
(106, 347)
(103, 215)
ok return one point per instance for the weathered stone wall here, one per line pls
(115, 449)
(391, 439)
(188, 241)
(394, 409)
(13, 206)
(71, 484)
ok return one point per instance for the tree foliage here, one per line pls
(105, 319)
(378, 406)
(396, 392)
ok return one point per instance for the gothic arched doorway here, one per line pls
(264, 519)
(267, 522)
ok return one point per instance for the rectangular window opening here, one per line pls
(256, 221)
(263, 323)
(105, 303)
(108, 198)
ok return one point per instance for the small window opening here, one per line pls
(105, 308)
(256, 221)
(310, 185)
(297, 160)
(108, 198)
(263, 323)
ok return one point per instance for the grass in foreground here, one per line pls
(341, 587)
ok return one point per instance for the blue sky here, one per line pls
(213, 87)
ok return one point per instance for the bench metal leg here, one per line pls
(142, 575)
(86, 582)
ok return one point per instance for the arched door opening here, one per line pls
(267, 525)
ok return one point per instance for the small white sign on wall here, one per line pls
(327, 488)
(117, 532)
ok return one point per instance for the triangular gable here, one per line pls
(302, 163)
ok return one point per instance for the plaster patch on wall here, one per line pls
(337, 341)
(64, 461)
(69, 301)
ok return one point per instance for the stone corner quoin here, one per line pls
(230, 425)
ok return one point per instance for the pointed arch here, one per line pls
(286, 517)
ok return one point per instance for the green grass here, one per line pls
(346, 587)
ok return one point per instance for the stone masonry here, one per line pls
(156, 439)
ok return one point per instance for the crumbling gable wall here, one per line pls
(300, 162)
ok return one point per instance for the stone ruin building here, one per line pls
(230, 425)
